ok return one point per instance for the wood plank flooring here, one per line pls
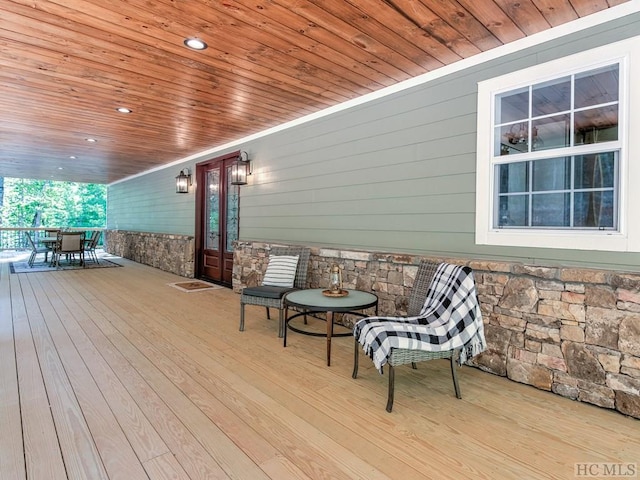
(112, 374)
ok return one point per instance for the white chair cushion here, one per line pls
(281, 270)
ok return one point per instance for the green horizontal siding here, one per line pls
(149, 204)
(395, 174)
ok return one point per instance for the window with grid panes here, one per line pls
(557, 149)
(554, 163)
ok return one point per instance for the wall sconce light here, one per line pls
(241, 169)
(183, 181)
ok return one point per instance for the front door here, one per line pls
(217, 220)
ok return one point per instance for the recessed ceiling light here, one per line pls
(195, 43)
(91, 140)
(60, 168)
(123, 110)
(72, 157)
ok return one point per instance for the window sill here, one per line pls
(574, 240)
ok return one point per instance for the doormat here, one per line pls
(194, 286)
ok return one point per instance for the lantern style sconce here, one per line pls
(241, 169)
(183, 181)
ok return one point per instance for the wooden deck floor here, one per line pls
(112, 374)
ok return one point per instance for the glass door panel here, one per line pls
(233, 209)
(212, 216)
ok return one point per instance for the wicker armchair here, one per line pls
(271, 296)
(400, 356)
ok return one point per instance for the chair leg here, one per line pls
(454, 374)
(268, 315)
(241, 317)
(355, 358)
(281, 325)
(391, 386)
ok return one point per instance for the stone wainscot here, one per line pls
(168, 252)
(571, 331)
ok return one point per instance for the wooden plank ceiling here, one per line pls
(66, 65)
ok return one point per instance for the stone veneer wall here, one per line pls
(572, 331)
(168, 252)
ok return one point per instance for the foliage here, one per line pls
(45, 203)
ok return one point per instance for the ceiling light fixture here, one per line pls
(91, 140)
(518, 134)
(124, 110)
(195, 43)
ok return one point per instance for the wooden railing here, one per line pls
(15, 239)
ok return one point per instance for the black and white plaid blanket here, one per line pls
(450, 319)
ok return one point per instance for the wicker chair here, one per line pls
(400, 356)
(273, 297)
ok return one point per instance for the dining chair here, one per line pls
(48, 234)
(35, 250)
(69, 244)
(443, 321)
(281, 277)
(90, 246)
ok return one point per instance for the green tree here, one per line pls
(45, 203)
(94, 205)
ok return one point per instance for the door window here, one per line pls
(213, 210)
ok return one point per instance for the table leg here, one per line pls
(329, 335)
(284, 333)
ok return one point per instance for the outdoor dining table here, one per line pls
(48, 241)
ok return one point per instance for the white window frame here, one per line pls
(627, 236)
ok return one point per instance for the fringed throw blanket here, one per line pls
(450, 319)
